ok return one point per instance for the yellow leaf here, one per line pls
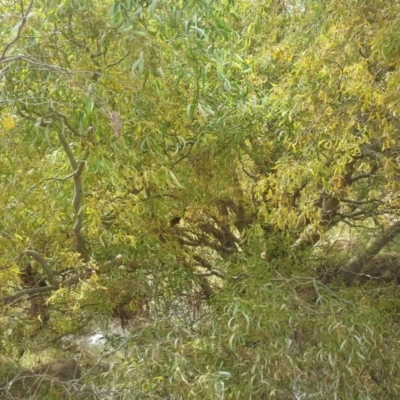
(9, 122)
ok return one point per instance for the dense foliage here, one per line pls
(220, 177)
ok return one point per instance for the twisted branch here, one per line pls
(45, 266)
(78, 196)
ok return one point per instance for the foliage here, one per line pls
(173, 165)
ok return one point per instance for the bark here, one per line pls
(331, 204)
(355, 266)
(27, 292)
(73, 280)
(79, 213)
(78, 196)
(310, 236)
(45, 266)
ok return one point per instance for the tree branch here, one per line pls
(35, 290)
(45, 266)
(79, 212)
(67, 149)
(78, 196)
(368, 152)
(330, 206)
(369, 174)
(36, 185)
(355, 266)
(36, 63)
(73, 280)
(66, 122)
(24, 18)
(211, 270)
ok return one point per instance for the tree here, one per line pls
(260, 129)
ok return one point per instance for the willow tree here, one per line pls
(325, 94)
(111, 117)
(169, 163)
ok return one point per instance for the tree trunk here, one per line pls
(356, 265)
